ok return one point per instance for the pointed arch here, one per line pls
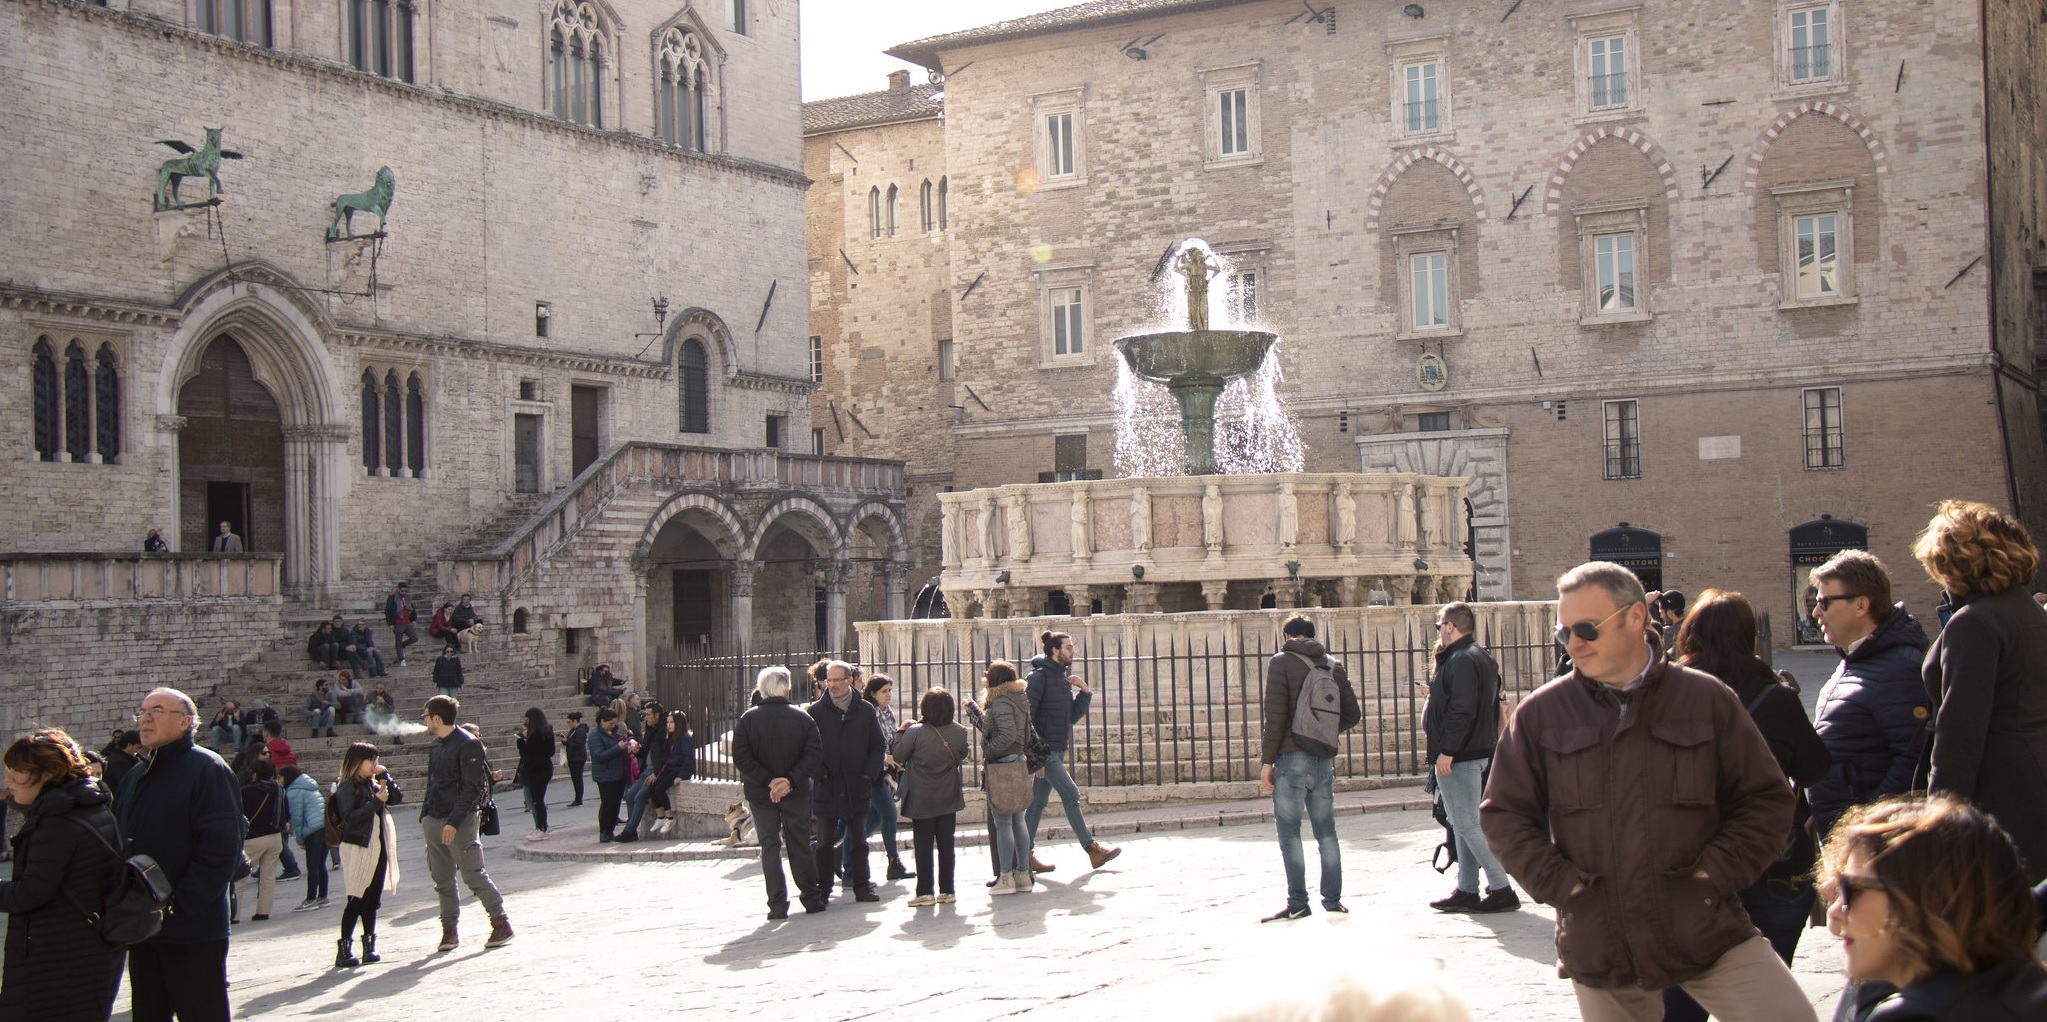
(1554, 194)
(1377, 199)
(1768, 138)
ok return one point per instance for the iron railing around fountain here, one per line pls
(1178, 712)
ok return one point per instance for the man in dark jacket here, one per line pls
(457, 776)
(1873, 713)
(448, 671)
(1638, 798)
(777, 751)
(399, 614)
(183, 809)
(1059, 697)
(852, 748)
(1462, 723)
(653, 755)
(123, 755)
(1297, 778)
(576, 747)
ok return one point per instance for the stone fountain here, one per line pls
(1203, 541)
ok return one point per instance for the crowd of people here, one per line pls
(1667, 794)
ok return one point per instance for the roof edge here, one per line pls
(925, 52)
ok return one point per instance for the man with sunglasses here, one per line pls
(1873, 712)
(1638, 798)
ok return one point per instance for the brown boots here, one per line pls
(1099, 854)
(500, 932)
(1039, 867)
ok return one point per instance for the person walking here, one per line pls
(1719, 638)
(1930, 901)
(881, 814)
(852, 747)
(929, 755)
(536, 766)
(1298, 778)
(1608, 777)
(263, 806)
(576, 751)
(1873, 713)
(403, 619)
(776, 749)
(183, 809)
(457, 778)
(1989, 742)
(1058, 697)
(1006, 711)
(610, 747)
(57, 967)
(369, 849)
(306, 810)
(1462, 723)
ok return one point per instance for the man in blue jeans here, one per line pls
(1058, 698)
(1462, 723)
(1298, 778)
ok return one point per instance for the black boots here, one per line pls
(342, 958)
(369, 949)
(897, 872)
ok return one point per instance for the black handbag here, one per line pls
(1036, 752)
(487, 814)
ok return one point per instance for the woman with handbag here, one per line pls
(263, 844)
(536, 767)
(1007, 777)
(63, 866)
(881, 808)
(369, 848)
(929, 756)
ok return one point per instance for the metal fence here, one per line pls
(1169, 710)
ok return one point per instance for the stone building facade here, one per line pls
(1688, 286)
(590, 251)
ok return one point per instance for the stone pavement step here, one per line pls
(578, 844)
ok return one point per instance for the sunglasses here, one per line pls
(1825, 601)
(1587, 632)
(1846, 887)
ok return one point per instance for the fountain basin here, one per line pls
(1208, 356)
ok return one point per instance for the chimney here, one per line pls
(899, 81)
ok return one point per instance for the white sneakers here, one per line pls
(1004, 884)
(538, 835)
(923, 901)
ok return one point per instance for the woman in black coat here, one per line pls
(536, 766)
(1983, 673)
(57, 967)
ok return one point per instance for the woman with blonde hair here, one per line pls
(1933, 912)
(1989, 733)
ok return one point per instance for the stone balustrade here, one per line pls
(116, 578)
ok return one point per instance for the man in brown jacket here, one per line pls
(1638, 798)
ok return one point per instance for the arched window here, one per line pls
(943, 222)
(372, 424)
(694, 388)
(77, 404)
(415, 427)
(891, 211)
(394, 424)
(48, 405)
(683, 105)
(576, 63)
(380, 36)
(106, 405)
(874, 212)
(519, 618)
(926, 206)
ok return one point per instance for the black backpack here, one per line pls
(135, 904)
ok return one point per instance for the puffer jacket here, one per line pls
(1054, 704)
(57, 966)
(307, 808)
(1006, 728)
(852, 748)
(1872, 714)
(607, 755)
(1285, 673)
(1462, 719)
(1632, 800)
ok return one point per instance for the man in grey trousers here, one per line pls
(456, 779)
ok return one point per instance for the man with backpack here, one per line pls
(1462, 723)
(1308, 704)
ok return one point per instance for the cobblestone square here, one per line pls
(1172, 925)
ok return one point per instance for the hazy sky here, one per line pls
(843, 39)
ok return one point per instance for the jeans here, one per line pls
(452, 693)
(608, 795)
(1462, 791)
(1300, 779)
(466, 855)
(785, 823)
(881, 816)
(1069, 796)
(925, 834)
(405, 634)
(536, 794)
(316, 865)
(374, 659)
(227, 739)
(187, 979)
(636, 802)
(322, 717)
(1780, 907)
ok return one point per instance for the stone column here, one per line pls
(1216, 592)
(1352, 591)
(1141, 598)
(1400, 588)
(835, 575)
(1024, 601)
(739, 584)
(895, 589)
(174, 529)
(312, 484)
(1286, 593)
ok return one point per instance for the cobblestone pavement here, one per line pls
(1172, 925)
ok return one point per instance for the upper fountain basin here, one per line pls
(1195, 354)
